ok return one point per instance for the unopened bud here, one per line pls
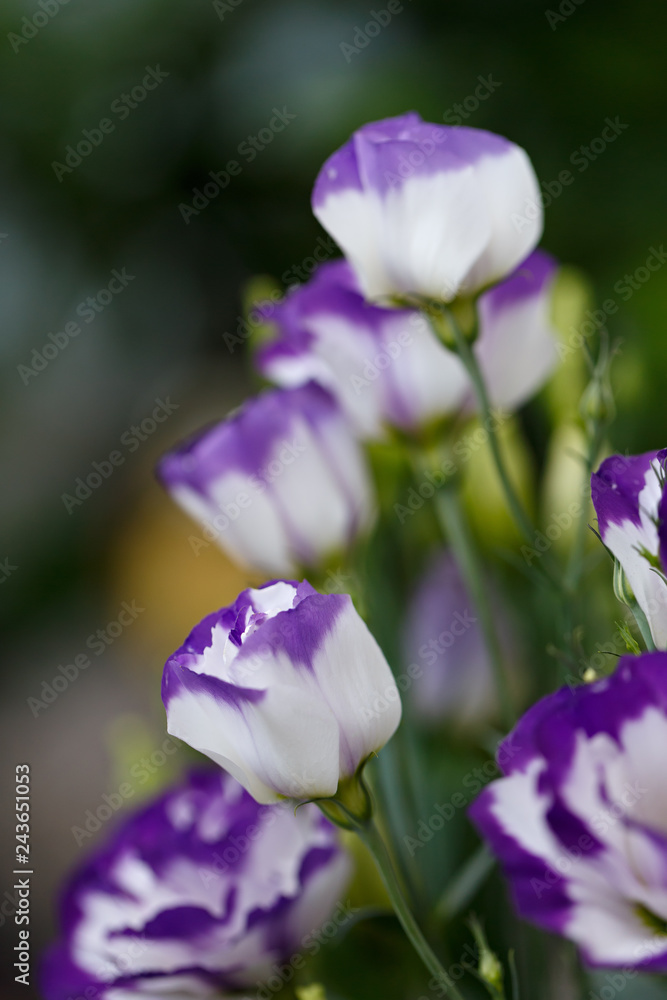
(622, 589)
(597, 405)
(490, 970)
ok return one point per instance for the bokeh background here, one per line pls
(68, 567)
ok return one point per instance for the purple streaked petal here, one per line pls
(627, 494)
(222, 884)
(616, 487)
(580, 822)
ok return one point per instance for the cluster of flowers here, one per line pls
(281, 688)
(580, 819)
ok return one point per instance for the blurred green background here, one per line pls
(223, 71)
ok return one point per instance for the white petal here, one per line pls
(433, 229)
(625, 541)
(287, 745)
(509, 188)
(356, 682)
(518, 353)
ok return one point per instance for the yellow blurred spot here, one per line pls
(162, 561)
(483, 494)
(313, 992)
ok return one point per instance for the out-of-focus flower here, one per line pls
(579, 822)
(198, 893)
(384, 366)
(429, 210)
(387, 367)
(282, 689)
(628, 494)
(281, 484)
(516, 347)
(444, 645)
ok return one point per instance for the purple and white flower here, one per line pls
(429, 210)
(279, 690)
(628, 494)
(517, 343)
(201, 891)
(386, 367)
(445, 647)
(281, 484)
(579, 822)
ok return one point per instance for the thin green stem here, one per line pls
(370, 835)
(467, 355)
(455, 526)
(643, 626)
(576, 561)
(523, 522)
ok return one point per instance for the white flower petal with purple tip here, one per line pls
(281, 484)
(629, 499)
(516, 348)
(429, 210)
(279, 690)
(196, 895)
(579, 822)
(386, 367)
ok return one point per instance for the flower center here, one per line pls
(651, 920)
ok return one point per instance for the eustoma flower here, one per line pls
(201, 891)
(579, 821)
(629, 498)
(429, 210)
(384, 366)
(444, 644)
(280, 484)
(279, 690)
(387, 367)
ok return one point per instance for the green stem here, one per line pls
(456, 528)
(575, 564)
(467, 355)
(371, 837)
(643, 626)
